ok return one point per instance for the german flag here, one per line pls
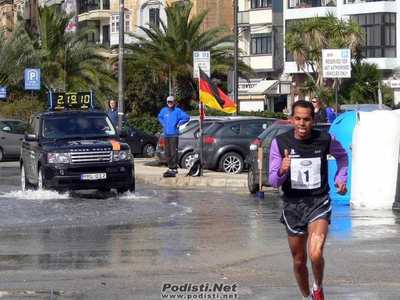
(213, 97)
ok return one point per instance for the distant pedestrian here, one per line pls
(319, 110)
(330, 112)
(298, 163)
(113, 112)
(171, 117)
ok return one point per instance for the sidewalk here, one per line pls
(149, 172)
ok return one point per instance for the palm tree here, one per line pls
(169, 49)
(305, 39)
(69, 63)
(16, 54)
(363, 86)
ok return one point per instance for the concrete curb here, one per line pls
(183, 181)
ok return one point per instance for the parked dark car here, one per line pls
(140, 143)
(188, 137)
(11, 136)
(264, 141)
(226, 143)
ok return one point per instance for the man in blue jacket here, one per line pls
(113, 112)
(171, 117)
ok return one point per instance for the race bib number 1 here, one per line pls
(305, 173)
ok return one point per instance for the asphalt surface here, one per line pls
(168, 233)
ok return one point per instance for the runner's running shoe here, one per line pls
(319, 294)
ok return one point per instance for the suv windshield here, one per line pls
(77, 125)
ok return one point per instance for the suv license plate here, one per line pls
(95, 176)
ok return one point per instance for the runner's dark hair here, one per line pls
(304, 104)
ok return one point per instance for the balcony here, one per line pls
(312, 3)
(364, 1)
(93, 10)
(243, 18)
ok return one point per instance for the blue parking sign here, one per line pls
(32, 79)
(3, 92)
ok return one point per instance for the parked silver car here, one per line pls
(11, 136)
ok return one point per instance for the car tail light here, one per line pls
(255, 145)
(161, 142)
(209, 140)
(257, 142)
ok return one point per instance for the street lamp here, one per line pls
(121, 103)
(235, 58)
(65, 67)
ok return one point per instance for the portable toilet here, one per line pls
(342, 128)
(376, 144)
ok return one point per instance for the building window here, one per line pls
(379, 34)
(261, 43)
(114, 24)
(154, 16)
(261, 3)
(127, 22)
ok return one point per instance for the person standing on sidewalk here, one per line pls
(319, 111)
(113, 112)
(171, 117)
(298, 163)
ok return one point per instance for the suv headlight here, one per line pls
(122, 155)
(58, 158)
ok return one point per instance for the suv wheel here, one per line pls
(41, 185)
(1, 154)
(252, 185)
(124, 190)
(187, 160)
(231, 163)
(25, 184)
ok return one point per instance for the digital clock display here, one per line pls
(71, 100)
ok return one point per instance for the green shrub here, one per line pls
(21, 108)
(147, 124)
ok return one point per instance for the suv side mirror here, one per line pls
(30, 137)
(123, 133)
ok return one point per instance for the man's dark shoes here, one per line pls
(170, 173)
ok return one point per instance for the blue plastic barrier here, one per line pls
(342, 128)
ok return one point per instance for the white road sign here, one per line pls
(201, 59)
(336, 63)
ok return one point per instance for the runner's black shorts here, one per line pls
(299, 212)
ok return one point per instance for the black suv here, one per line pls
(264, 141)
(75, 150)
(226, 143)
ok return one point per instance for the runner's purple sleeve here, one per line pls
(275, 164)
(342, 160)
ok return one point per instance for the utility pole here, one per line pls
(235, 65)
(121, 102)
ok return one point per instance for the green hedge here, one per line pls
(151, 125)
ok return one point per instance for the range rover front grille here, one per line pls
(90, 157)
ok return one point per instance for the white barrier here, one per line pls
(375, 156)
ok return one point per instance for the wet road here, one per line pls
(103, 246)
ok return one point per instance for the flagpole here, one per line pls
(201, 113)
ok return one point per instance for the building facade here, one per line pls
(260, 31)
(378, 19)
